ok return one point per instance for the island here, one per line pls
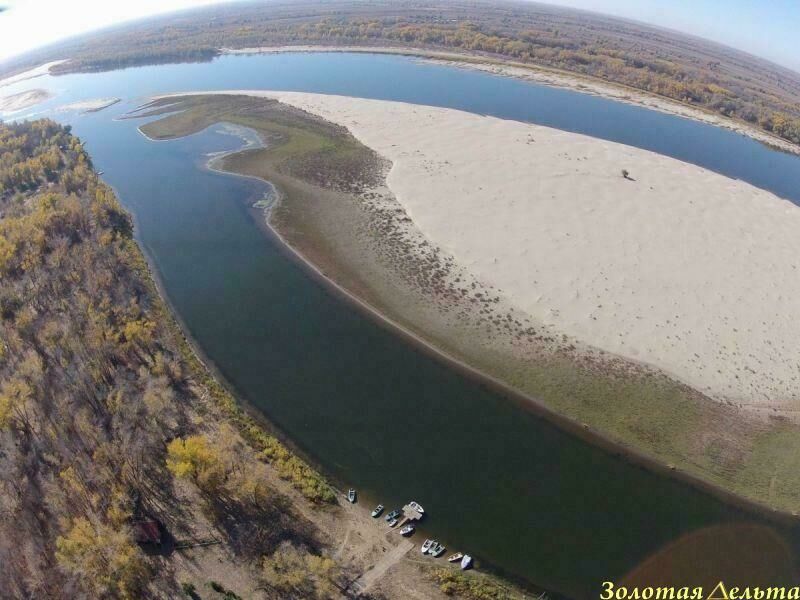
(643, 298)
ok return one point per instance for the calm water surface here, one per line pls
(373, 411)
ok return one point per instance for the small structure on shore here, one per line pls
(147, 531)
(411, 513)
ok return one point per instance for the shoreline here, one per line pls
(549, 77)
(526, 401)
(260, 217)
(197, 349)
(520, 398)
(669, 175)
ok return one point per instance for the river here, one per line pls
(369, 408)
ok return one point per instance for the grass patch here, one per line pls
(473, 586)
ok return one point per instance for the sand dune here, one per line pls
(680, 268)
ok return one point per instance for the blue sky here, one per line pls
(768, 28)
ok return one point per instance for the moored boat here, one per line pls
(417, 507)
(376, 512)
(466, 562)
(455, 557)
(407, 530)
(426, 545)
(437, 549)
(393, 522)
(351, 496)
(395, 514)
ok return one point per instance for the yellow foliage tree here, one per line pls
(195, 458)
(106, 561)
(291, 570)
(14, 396)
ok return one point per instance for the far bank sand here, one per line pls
(43, 69)
(550, 77)
(679, 268)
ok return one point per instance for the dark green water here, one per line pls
(373, 411)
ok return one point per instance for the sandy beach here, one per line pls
(676, 267)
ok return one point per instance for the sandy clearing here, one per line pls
(682, 269)
(372, 576)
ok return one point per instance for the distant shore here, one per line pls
(550, 77)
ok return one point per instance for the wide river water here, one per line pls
(370, 409)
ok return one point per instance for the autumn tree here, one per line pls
(197, 459)
(107, 561)
(295, 572)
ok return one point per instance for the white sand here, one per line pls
(94, 105)
(17, 102)
(683, 269)
(30, 73)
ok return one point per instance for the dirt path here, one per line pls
(391, 558)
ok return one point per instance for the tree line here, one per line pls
(682, 69)
(106, 417)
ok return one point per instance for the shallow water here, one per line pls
(377, 414)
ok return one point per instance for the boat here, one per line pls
(351, 496)
(393, 522)
(407, 530)
(377, 511)
(437, 550)
(393, 515)
(426, 546)
(414, 505)
(466, 562)
(454, 557)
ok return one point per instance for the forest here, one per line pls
(118, 448)
(669, 64)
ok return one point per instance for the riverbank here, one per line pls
(550, 77)
(358, 543)
(631, 404)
